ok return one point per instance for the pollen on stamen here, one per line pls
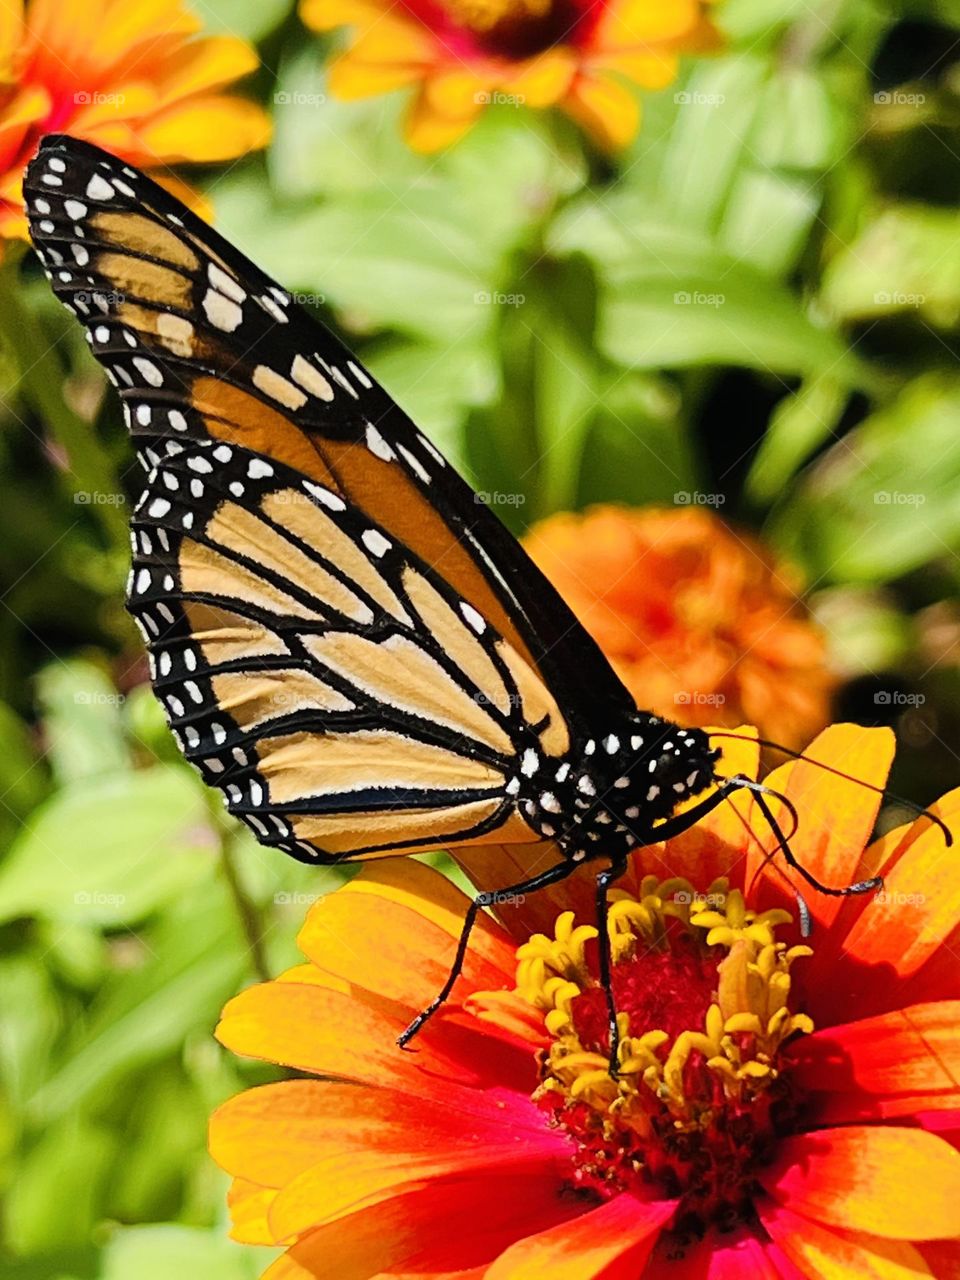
(703, 991)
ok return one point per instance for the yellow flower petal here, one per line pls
(207, 130)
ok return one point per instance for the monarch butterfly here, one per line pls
(346, 643)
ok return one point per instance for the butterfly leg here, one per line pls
(551, 876)
(604, 880)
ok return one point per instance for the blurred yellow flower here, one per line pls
(130, 75)
(701, 622)
(464, 55)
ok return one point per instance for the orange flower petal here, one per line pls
(205, 64)
(248, 1204)
(545, 79)
(638, 22)
(475, 1217)
(326, 15)
(329, 1033)
(901, 1184)
(393, 930)
(920, 903)
(428, 130)
(830, 1255)
(206, 130)
(651, 68)
(730, 1255)
(892, 1065)
(618, 1234)
(836, 817)
(360, 1177)
(605, 108)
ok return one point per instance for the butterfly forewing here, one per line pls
(346, 642)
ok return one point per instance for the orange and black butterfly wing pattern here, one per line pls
(347, 643)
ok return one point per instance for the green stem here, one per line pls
(40, 383)
(247, 911)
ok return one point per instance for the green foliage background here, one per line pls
(524, 298)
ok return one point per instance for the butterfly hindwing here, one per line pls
(345, 701)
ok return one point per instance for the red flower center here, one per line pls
(506, 29)
(700, 1098)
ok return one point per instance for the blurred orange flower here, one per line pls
(700, 621)
(131, 75)
(463, 55)
(754, 1129)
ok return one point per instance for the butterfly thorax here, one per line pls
(606, 795)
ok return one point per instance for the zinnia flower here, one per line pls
(463, 55)
(701, 623)
(783, 1109)
(130, 75)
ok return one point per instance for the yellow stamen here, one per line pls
(484, 15)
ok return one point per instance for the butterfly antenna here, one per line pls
(768, 863)
(912, 805)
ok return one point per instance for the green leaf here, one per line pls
(670, 297)
(887, 498)
(82, 721)
(904, 260)
(638, 450)
(66, 1168)
(189, 965)
(109, 851)
(798, 426)
(250, 19)
(162, 1252)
